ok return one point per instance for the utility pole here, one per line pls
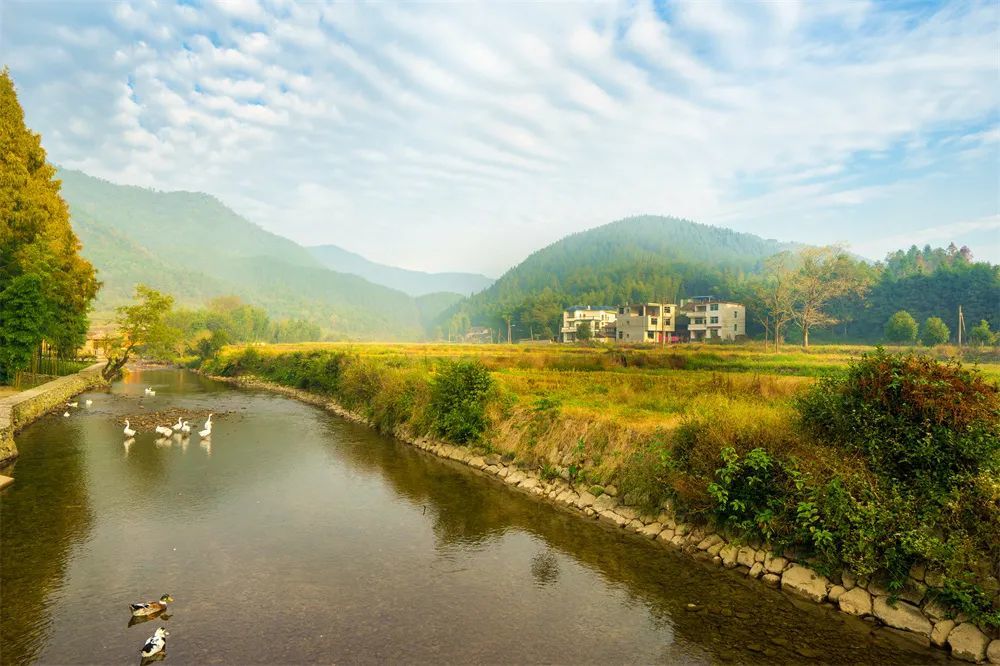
(961, 326)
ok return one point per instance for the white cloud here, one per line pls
(461, 136)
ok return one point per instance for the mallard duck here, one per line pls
(128, 431)
(155, 643)
(151, 607)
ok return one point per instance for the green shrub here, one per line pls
(901, 328)
(459, 396)
(930, 433)
(934, 332)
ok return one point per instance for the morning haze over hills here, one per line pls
(192, 246)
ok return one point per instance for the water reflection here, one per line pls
(297, 537)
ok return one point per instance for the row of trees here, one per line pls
(902, 329)
(46, 287)
(151, 326)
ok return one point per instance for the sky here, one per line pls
(464, 136)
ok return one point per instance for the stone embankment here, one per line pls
(910, 612)
(20, 409)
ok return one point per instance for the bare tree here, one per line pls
(771, 295)
(823, 274)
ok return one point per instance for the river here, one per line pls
(298, 537)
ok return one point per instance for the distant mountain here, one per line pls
(635, 259)
(191, 245)
(414, 283)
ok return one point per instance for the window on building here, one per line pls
(699, 320)
(620, 334)
(734, 327)
(653, 321)
(649, 334)
(666, 322)
(713, 320)
(714, 307)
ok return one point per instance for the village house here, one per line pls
(708, 318)
(646, 323)
(601, 321)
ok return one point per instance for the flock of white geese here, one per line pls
(181, 429)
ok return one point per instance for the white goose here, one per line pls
(207, 432)
(186, 428)
(177, 426)
(66, 414)
(164, 430)
(73, 404)
(88, 403)
(128, 431)
(208, 422)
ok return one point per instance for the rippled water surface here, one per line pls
(297, 537)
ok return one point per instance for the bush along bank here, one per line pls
(875, 492)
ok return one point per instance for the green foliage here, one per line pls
(458, 400)
(751, 493)
(143, 327)
(934, 332)
(38, 245)
(930, 434)
(584, 331)
(901, 328)
(23, 324)
(981, 335)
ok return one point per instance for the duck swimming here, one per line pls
(151, 607)
(155, 643)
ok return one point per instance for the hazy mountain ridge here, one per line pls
(192, 246)
(414, 283)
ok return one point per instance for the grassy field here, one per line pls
(870, 464)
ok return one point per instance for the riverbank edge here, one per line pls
(906, 613)
(21, 409)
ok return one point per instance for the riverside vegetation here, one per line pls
(875, 465)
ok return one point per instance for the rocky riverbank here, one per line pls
(20, 409)
(911, 612)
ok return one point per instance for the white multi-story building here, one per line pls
(601, 321)
(646, 323)
(712, 319)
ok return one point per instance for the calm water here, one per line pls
(297, 537)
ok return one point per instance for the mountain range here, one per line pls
(191, 245)
(414, 283)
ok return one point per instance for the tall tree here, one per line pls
(773, 294)
(824, 273)
(36, 239)
(144, 326)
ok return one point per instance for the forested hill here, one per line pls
(634, 259)
(414, 283)
(192, 246)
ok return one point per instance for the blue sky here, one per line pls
(463, 136)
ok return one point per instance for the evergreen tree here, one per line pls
(36, 240)
(901, 328)
(23, 324)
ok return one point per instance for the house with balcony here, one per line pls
(646, 323)
(601, 321)
(707, 318)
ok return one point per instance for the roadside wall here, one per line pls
(910, 613)
(20, 409)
